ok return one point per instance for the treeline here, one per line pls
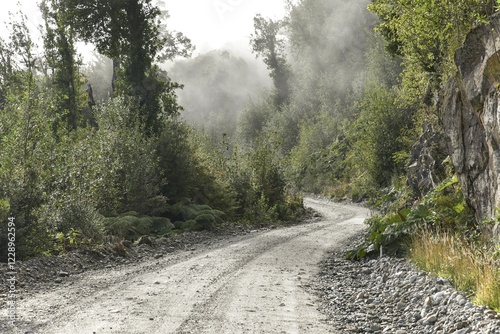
(334, 114)
(78, 170)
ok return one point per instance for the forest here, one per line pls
(340, 94)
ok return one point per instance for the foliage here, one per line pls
(318, 159)
(254, 119)
(328, 43)
(379, 135)
(426, 34)
(131, 33)
(62, 63)
(267, 42)
(444, 209)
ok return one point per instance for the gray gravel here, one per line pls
(390, 295)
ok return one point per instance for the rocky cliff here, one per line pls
(470, 116)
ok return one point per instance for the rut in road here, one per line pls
(251, 284)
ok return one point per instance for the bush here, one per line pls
(444, 209)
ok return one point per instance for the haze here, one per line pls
(211, 24)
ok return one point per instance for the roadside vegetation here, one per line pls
(104, 152)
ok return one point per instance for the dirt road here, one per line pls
(248, 284)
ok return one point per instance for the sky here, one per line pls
(210, 24)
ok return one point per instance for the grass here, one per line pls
(468, 267)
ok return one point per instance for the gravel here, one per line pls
(384, 295)
(390, 295)
(43, 272)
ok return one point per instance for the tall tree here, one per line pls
(268, 42)
(132, 34)
(61, 58)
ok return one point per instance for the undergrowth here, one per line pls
(393, 227)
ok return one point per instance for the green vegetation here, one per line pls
(351, 93)
(76, 172)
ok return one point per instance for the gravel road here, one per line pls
(257, 283)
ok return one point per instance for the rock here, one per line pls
(158, 256)
(58, 280)
(355, 302)
(437, 298)
(144, 240)
(426, 168)
(63, 274)
(361, 295)
(430, 320)
(127, 243)
(366, 271)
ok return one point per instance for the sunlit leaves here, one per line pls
(426, 33)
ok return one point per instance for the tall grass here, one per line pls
(468, 267)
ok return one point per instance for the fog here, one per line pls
(329, 40)
(217, 87)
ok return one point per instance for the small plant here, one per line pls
(66, 242)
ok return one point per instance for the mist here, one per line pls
(217, 87)
(329, 40)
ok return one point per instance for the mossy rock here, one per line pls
(128, 227)
(108, 214)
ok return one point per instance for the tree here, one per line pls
(268, 43)
(426, 34)
(61, 59)
(131, 33)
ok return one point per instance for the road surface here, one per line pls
(247, 284)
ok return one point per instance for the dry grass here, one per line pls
(469, 269)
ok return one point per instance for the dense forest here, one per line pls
(106, 151)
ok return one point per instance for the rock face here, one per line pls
(426, 168)
(470, 116)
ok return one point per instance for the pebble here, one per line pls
(63, 274)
